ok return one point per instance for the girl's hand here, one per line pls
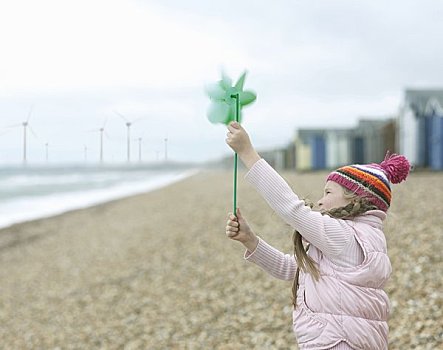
(238, 140)
(238, 229)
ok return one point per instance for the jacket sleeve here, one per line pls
(327, 234)
(273, 261)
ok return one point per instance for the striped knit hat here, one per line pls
(372, 181)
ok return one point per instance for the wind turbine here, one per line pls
(47, 152)
(102, 131)
(85, 150)
(128, 125)
(25, 125)
(166, 148)
(139, 140)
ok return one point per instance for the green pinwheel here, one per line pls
(227, 100)
(226, 104)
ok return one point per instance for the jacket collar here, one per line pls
(373, 218)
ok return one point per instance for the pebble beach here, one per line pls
(156, 271)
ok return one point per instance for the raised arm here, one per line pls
(329, 235)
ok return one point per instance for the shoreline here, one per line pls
(78, 201)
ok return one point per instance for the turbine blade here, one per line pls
(122, 116)
(32, 131)
(138, 120)
(12, 126)
(29, 114)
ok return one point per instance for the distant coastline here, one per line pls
(36, 192)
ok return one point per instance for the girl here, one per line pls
(338, 298)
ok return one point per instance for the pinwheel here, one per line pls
(227, 100)
(226, 104)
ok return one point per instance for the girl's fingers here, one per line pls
(232, 217)
(232, 226)
(232, 129)
(232, 223)
(232, 229)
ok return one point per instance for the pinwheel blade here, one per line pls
(240, 82)
(215, 92)
(218, 113)
(225, 82)
(247, 97)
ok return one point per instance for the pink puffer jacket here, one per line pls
(348, 304)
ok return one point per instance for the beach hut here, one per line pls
(419, 138)
(407, 140)
(311, 149)
(302, 155)
(435, 114)
(290, 158)
(276, 158)
(369, 141)
(318, 146)
(389, 135)
(338, 147)
(358, 149)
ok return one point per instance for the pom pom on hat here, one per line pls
(396, 167)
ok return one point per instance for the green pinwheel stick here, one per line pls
(226, 104)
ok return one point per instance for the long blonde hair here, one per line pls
(357, 206)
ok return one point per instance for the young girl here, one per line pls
(339, 302)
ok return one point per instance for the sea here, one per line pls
(33, 192)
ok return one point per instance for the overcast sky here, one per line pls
(312, 63)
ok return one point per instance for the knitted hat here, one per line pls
(372, 181)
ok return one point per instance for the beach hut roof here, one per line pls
(425, 102)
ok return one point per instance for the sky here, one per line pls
(72, 67)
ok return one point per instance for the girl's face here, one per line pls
(333, 197)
